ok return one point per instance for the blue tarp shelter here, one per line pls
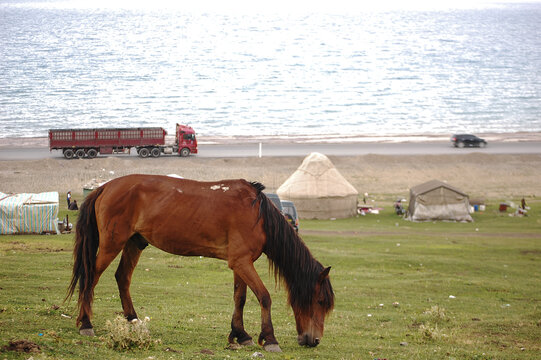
(29, 213)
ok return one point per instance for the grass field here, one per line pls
(460, 291)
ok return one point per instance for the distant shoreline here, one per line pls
(38, 142)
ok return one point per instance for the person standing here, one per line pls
(68, 198)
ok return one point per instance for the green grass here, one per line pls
(491, 267)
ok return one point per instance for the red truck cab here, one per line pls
(185, 140)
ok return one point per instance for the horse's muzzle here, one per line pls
(307, 340)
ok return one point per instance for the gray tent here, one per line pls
(319, 191)
(436, 200)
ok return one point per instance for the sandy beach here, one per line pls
(488, 176)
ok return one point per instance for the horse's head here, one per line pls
(310, 320)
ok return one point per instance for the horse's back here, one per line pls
(181, 216)
(169, 193)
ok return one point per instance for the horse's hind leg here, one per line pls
(237, 322)
(106, 254)
(130, 256)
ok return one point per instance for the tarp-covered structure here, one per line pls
(436, 200)
(319, 191)
(29, 213)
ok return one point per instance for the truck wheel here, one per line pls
(92, 153)
(68, 154)
(143, 152)
(184, 152)
(80, 153)
(155, 152)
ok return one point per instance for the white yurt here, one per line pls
(319, 191)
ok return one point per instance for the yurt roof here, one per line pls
(316, 177)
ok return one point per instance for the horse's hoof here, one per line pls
(87, 332)
(272, 348)
(248, 342)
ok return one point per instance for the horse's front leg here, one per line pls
(237, 322)
(246, 270)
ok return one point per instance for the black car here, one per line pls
(290, 212)
(275, 200)
(467, 140)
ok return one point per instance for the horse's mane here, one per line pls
(289, 257)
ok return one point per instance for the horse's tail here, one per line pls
(85, 251)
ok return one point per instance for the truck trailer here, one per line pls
(148, 141)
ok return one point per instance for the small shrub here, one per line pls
(124, 335)
(427, 324)
(436, 314)
(428, 332)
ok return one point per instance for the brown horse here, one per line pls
(231, 220)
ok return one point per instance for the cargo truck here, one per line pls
(148, 141)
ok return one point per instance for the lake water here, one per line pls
(390, 72)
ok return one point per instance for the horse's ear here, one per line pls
(324, 274)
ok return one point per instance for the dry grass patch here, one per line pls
(126, 335)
